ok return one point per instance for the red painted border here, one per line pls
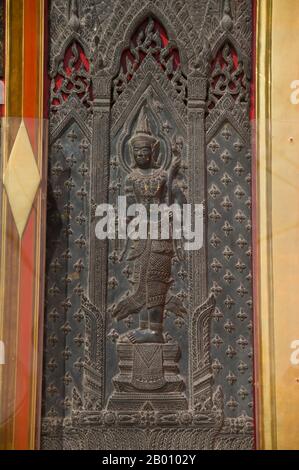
(31, 260)
(24, 376)
(28, 242)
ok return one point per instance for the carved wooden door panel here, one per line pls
(149, 346)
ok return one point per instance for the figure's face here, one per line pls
(142, 154)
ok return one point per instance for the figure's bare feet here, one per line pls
(145, 336)
(126, 306)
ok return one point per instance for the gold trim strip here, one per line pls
(38, 313)
(278, 203)
(265, 366)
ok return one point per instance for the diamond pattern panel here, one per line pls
(229, 267)
(67, 250)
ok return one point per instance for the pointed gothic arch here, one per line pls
(74, 37)
(228, 38)
(112, 47)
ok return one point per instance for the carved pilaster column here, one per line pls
(197, 188)
(99, 188)
(197, 193)
(99, 195)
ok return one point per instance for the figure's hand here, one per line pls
(177, 146)
(176, 164)
(125, 308)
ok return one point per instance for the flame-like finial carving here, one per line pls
(74, 16)
(227, 22)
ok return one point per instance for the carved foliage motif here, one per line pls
(228, 77)
(151, 38)
(72, 78)
(158, 55)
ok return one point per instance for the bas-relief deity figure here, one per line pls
(148, 357)
(148, 183)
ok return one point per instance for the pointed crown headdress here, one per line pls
(143, 132)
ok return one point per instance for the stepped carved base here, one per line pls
(148, 378)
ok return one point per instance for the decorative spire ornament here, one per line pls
(74, 21)
(227, 22)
